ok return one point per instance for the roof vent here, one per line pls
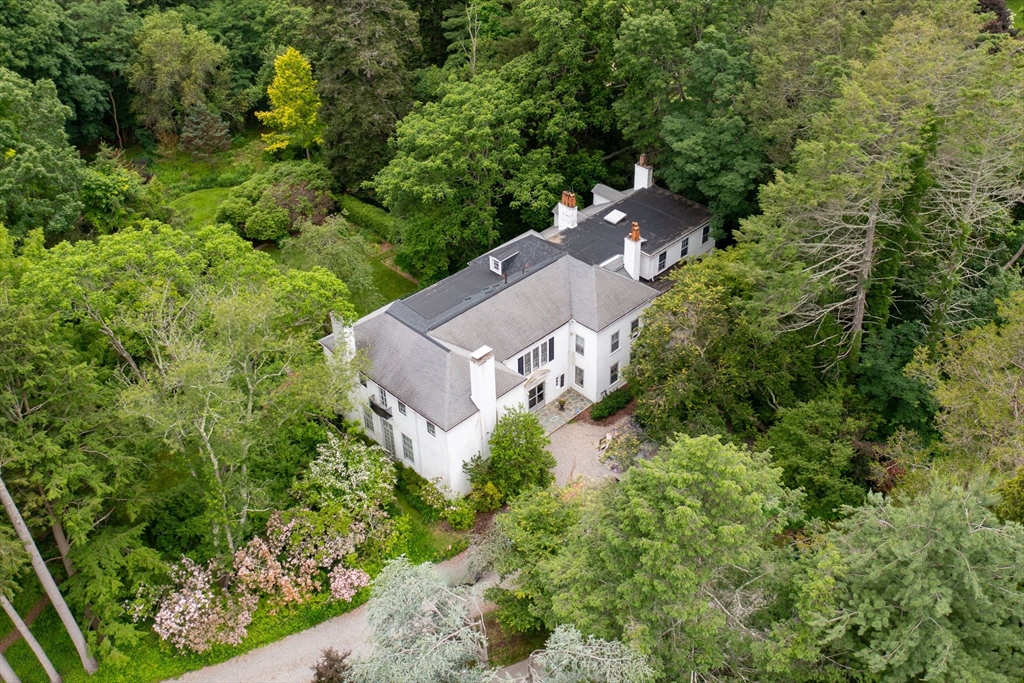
(615, 217)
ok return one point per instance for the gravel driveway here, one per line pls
(575, 447)
(291, 659)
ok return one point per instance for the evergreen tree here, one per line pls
(204, 133)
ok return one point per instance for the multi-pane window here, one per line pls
(383, 396)
(389, 436)
(368, 419)
(706, 235)
(634, 328)
(662, 259)
(407, 449)
(685, 248)
(580, 343)
(535, 396)
(613, 374)
(615, 342)
(401, 408)
(537, 356)
(579, 376)
(431, 429)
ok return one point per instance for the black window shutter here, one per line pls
(551, 349)
(521, 366)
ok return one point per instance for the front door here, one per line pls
(535, 396)
(389, 436)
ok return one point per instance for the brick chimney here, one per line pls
(643, 174)
(565, 212)
(631, 252)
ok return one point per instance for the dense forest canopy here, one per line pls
(191, 192)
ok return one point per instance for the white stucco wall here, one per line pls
(649, 262)
(561, 365)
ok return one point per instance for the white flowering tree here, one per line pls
(349, 474)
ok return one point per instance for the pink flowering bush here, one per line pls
(345, 582)
(288, 565)
(194, 613)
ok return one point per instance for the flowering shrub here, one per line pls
(345, 582)
(349, 473)
(195, 613)
(288, 565)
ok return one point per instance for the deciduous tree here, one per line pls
(295, 106)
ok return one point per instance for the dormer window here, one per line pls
(499, 264)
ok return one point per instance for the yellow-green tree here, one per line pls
(294, 105)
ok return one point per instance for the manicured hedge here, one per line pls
(611, 404)
(377, 221)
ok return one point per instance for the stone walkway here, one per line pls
(552, 418)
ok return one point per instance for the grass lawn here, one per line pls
(200, 207)
(390, 284)
(1017, 7)
(428, 541)
(183, 173)
(505, 648)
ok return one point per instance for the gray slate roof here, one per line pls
(525, 312)
(424, 374)
(664, 217)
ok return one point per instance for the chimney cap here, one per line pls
(643, 161)
(634, 234)
(569, 199)
(482, 354)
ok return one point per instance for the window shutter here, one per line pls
(521, 366)
(551, 349)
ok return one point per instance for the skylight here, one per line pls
(615, 217)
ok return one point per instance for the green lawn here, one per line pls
(183, 173)
(1017, 7)
(200, 207)
(390, 284)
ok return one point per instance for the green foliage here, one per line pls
(12, 561)
(899, 400)
(455, 162)
(611, 404)
(204, 133)
(486, 497)
(653, 556)
(177, 68)
(378, 222)
(519, 457)
(270, 204)
(348, 473)
(115, 196)
(40, 173)
(705, 364)
(294, 105)
(711, 154)
(954, 571)
(1010, 507)
(533, 531)
(461, 515)
(818, 445)
(336, 247)
(362, 51)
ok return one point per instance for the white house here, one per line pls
(520, 325)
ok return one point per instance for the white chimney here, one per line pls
(483, 389)
(565, 212)
(631, 252)
(340, 344)
(643, 174)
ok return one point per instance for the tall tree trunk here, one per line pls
(30, 639)
(7, 674)
(49, 585)
(58, 535)
(863, 276)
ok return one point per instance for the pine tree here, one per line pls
(294, 105)
(204, 133)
